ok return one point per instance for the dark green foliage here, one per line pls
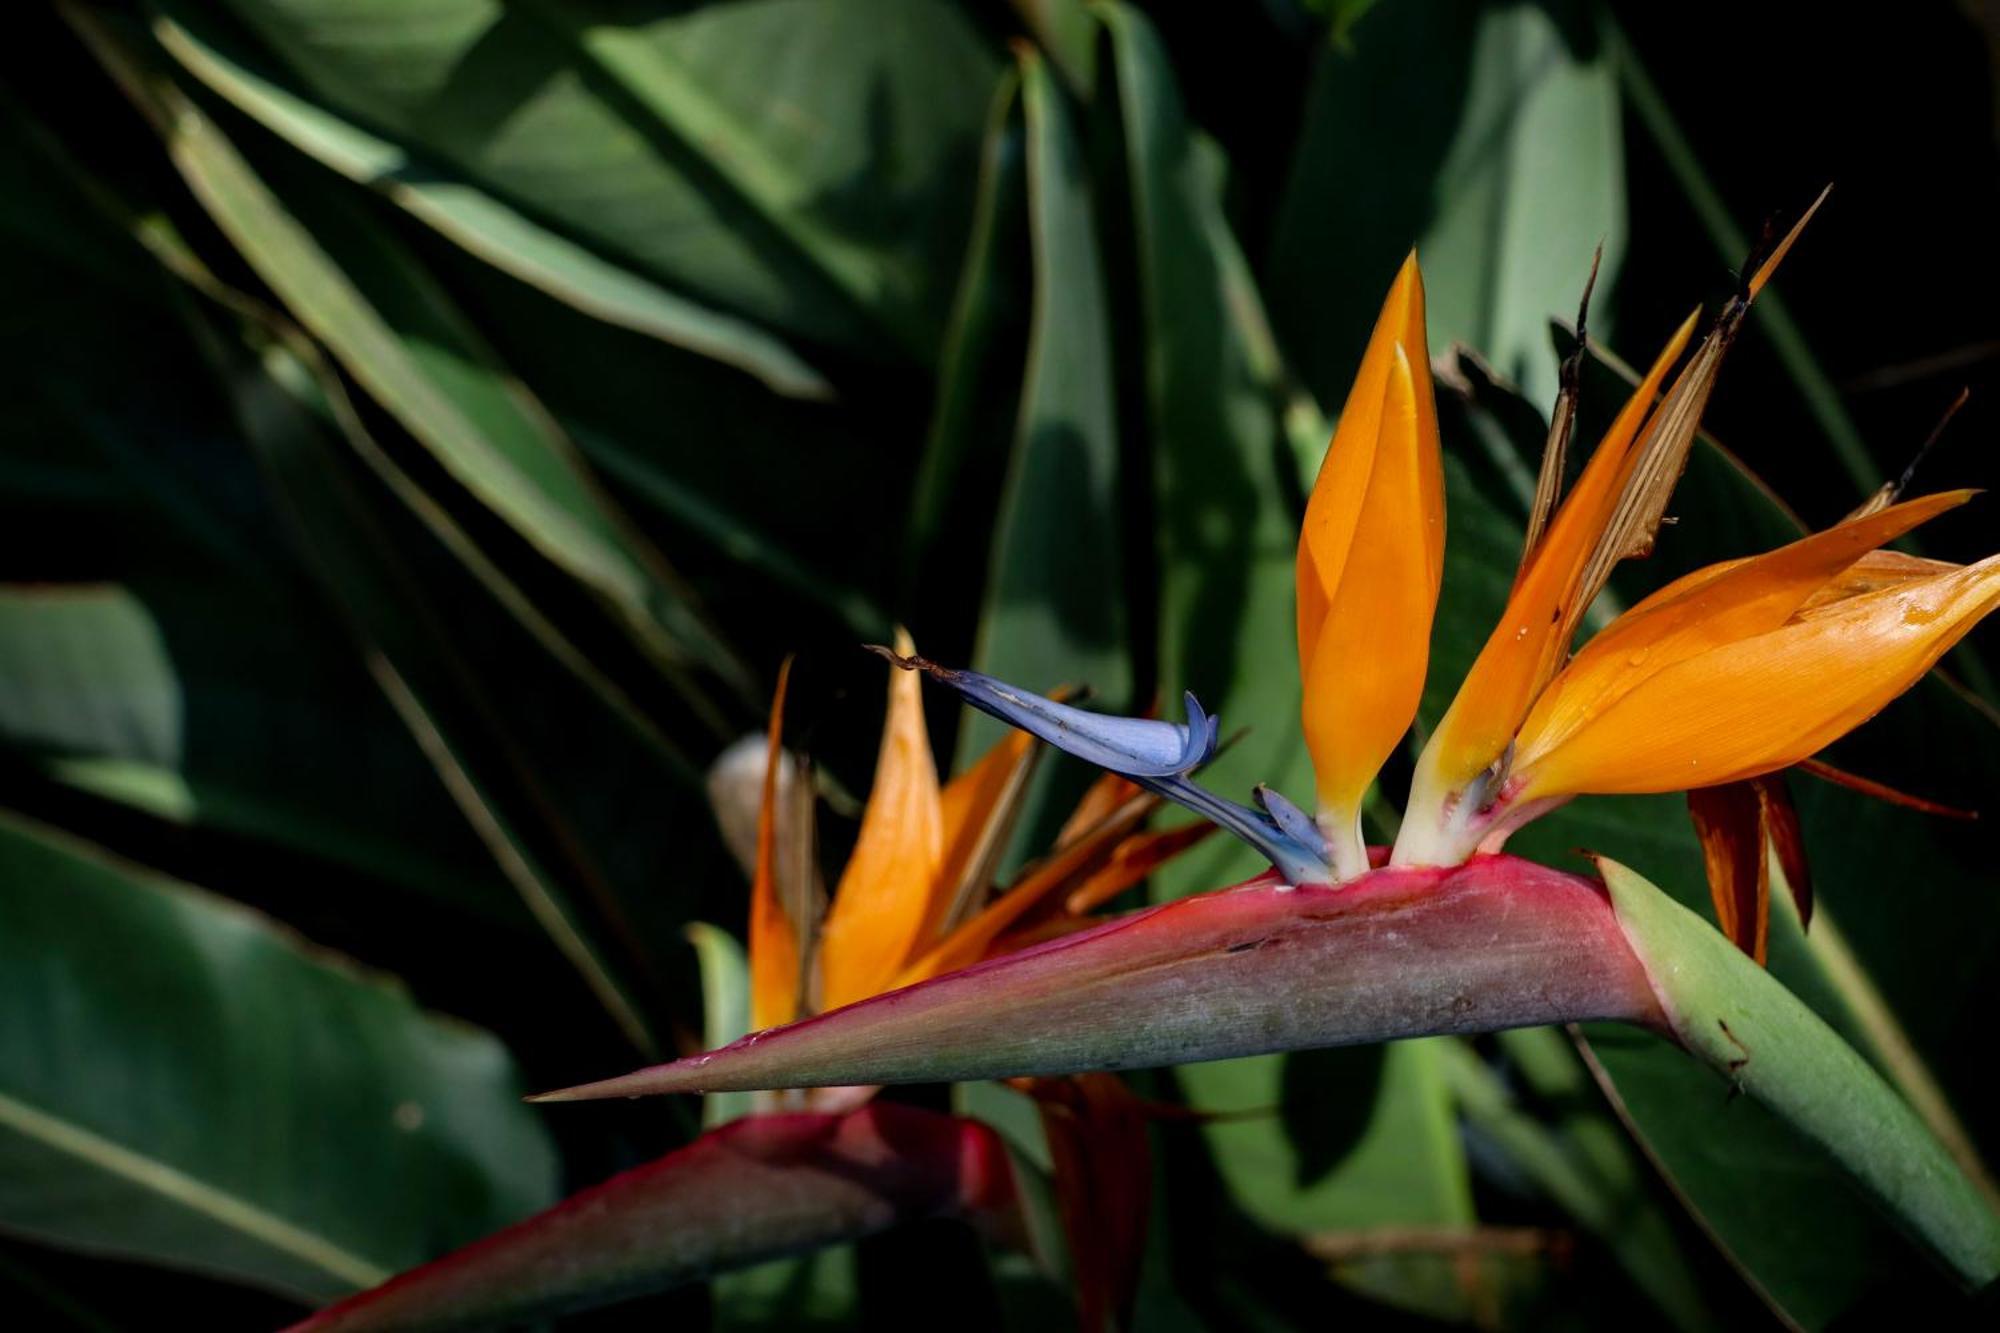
(429, 422)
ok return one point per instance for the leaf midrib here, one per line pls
(171, 1183)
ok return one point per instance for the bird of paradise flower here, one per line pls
(918, 897)
(1724, 676)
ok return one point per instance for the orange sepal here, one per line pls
(1783, 247)
(1037, 886)
(1768, 701)
(1712, 606)
(774, 937)
(1131, 861)
(1533, 636)
(979, 807)
(887, 894)
(1742, 827)
(1365, 673)
(1334, 509)
(1105, 795)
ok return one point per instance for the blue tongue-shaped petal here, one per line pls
(1134, 746)
(1157, 755)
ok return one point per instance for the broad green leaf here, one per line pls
(1066, 30)
(353, 286)
(189, 706)
(820, 1290)
(482, 222)
(176, 665)
(1486, 136)
(180, 1082)
(1794, 1222)
(1583, 1162)
(1734, 1017)
(1226, 482)
(1052, 610)
(972, 426)
(375, 572)
(799, 571)
(1053, 600)
(1363, 1138)
(788, 160)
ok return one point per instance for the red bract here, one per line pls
(1498, 942)
(761, 1188)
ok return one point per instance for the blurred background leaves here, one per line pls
(431, 420)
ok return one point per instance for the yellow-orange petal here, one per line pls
(1132, 860)
(1712, 606)
(1366, 673)
(1872, 573)
(979, 808)
(774, 936)
(1768, 701)
(1106, 793)
(1335, 506)
(1532, 638)
(1038, 885)
(888, 892)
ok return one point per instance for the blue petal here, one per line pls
(1295, 823)
(1135, 747)
(1156, 755)
(1300, 861)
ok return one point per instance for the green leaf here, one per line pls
(485, 224)
(787, 161)
(1052, 611)
(138, 696)
(421, 662)
(1361, 1138)
(1053, 601)
(1747, 1027)
(1489, 138)
(182, 1083)
(353, 286)
(725, 1008)
(1584, 1162)
(813, 1291)
(972, 428)
(181, 665)
(1225, 482)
